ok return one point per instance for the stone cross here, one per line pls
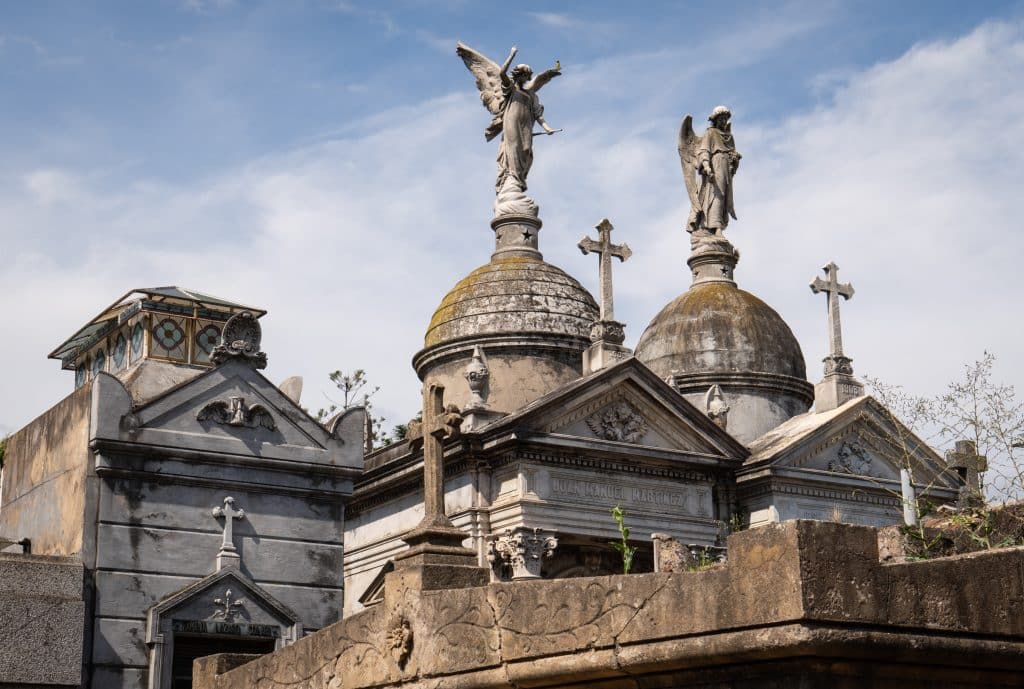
(605, 250)
(965, 460)
(438, 424)
(227, 553)
(834, 289)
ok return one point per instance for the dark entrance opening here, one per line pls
(188, 647)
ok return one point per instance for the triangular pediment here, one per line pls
(234, 409)
(226, 597)
(626, 404)
(861, 438)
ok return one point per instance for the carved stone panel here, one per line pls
(619, 421)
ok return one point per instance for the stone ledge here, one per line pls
(809, 596)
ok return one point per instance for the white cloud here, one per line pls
(907, 177)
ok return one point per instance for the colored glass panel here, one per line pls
(137, 336)
(207, 337)
(169, 339)
(99, 362)
(81, 374)
(119, 354)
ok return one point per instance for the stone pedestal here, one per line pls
(713, 259)
(475, 418)
(607, 349)
(516, 235)
(435, 560)
(838, 386)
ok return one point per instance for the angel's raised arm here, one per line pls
(545, 76)
(508, 60)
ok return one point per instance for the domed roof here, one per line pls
(715, 327)
(513, 294)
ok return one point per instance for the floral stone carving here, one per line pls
(619, 421)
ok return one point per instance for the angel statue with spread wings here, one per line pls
(512, 100)
(709, 164)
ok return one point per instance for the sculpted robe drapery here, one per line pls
(718, 150)
(515, 155)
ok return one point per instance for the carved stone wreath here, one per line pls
(618, 421)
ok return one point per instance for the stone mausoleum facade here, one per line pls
(189, 506)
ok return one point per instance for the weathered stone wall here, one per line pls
(42, 620)
(798, 604)
(45, 470)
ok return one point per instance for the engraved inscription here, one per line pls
(683, 499)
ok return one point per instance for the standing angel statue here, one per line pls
(512, 100)
(709, 164)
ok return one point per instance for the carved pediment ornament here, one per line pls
(851, 458)
(619, 421)
(226, 609)
(241, 340)
(235, 412)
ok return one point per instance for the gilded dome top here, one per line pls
(513, 294)
(715, 327)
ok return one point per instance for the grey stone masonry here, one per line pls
(42, 615)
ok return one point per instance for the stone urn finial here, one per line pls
(477, 376)
(716, 407)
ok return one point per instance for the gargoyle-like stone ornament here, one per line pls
(241, 340)
(521, 549)
(512, 100)
(234, 412)
(709, 163)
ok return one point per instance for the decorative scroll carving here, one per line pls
(234, 412)
(241, 340)
(521, 550)
(620, 421)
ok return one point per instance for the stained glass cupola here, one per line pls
(151, 338)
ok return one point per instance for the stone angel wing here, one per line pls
(689, 142)
(544, 77)
(491, 83)
(488, 78)
(257, 415)
(217, 411)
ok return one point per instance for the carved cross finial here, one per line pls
(439, 424)
(605, 250)
(230, 514)
(834, 289)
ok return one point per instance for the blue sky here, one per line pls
(325, 160)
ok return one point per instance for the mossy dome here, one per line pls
(513, 294)
(717, 327)
(717, 334)
(530, 319)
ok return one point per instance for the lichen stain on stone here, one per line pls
(513, 294)
(718, 327)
